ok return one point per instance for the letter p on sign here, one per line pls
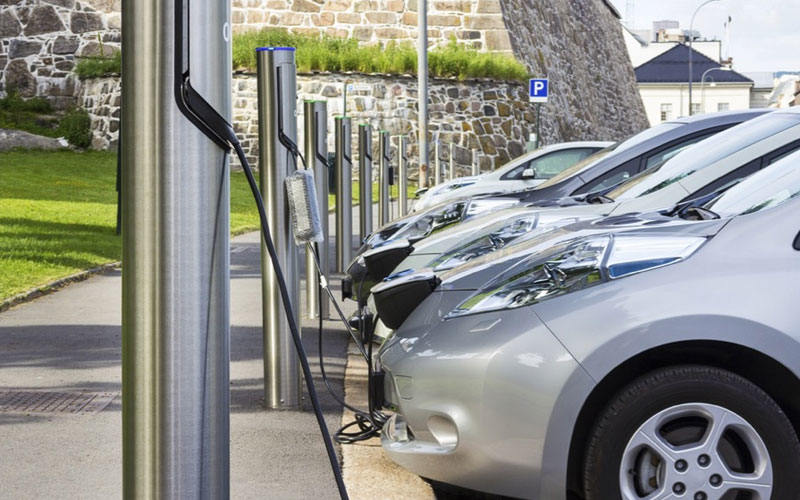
(538, 89)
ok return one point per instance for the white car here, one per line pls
(524, 172)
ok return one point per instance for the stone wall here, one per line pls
(478, 22)
(491, 118)
(578, 45)
(41, 39)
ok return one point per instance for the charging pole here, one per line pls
(175, 234)
(402, 174)
(452, 173)
(316, 153)
(384, 178)
(437, 169)
(365, 180)
(476, 167)
(276, 90)
(344, 193)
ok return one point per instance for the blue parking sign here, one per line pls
(537, 89)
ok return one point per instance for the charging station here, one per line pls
(277, 133)
(316, 153)
(451, 174)
(365, 180)
(385, 177)
(402, 175)
(344, 194)
(175, 239)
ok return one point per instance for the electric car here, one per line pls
(524, 172)
(658, 359)
(597, 172)
(702, 169)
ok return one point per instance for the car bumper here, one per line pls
(474, 397)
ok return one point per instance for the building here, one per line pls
(663, 85)
(763, 85)
(642, 47)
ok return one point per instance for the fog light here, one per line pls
(444, 431)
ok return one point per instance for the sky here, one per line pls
(764, 33)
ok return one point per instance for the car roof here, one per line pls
(722, 116)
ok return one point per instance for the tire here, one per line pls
(644, 433)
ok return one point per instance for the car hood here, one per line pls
(477, 272)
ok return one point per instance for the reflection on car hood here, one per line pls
(477, 272)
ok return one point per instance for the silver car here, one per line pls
(648, 359)
(524, 172)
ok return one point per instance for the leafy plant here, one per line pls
(76, 127)
(33, 115)
(98, 66)
(324, 53)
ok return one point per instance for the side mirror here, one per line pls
(529, 173)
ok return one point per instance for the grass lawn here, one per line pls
(58, 215)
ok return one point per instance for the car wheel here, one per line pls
(692, 432)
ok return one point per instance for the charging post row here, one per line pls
(316, 153)
(344, 194)
(365, 180)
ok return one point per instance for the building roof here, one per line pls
(673, 67)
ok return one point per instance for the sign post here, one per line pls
(538, 91)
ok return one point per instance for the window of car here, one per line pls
(733, 178)
(577, 168)
(708, 153)
(611, 178)
(767, 188)
(546, 166)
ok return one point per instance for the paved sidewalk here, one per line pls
(69, 342)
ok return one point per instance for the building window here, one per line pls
(696, 110)
(723, 106)
(666, 112)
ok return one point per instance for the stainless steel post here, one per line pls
(384, 177)
(402, 174)
(316, 153)
(276, 89)
(451, 174)
(422, 84)
(437, 169)
(364, 180)
(476, 167)
(344, 194)
(175, 292)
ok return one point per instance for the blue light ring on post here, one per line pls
(261, 49)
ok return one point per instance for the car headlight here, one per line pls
(574, 266)
(431, 220)
(485, 205)
(494, 238)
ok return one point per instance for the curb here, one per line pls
(56, 285)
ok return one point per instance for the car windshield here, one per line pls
(769, 187)
(706, 153)
(578, 167)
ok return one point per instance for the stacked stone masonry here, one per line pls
(476, 22)
(41, 40)
(576, 43)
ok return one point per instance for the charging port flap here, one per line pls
(395, 299)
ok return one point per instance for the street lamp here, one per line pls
(703, 82)
(691, 38)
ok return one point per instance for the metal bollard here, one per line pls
(437, 169)
(276, 117)
(476, 167)
(452, 172)
(316, 152)
(384, 177)
(365, 181)
(402, 174)
(344, 194)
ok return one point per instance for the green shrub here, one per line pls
(76, 127)
(323, 53)
(97, 66)
(33, 115)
